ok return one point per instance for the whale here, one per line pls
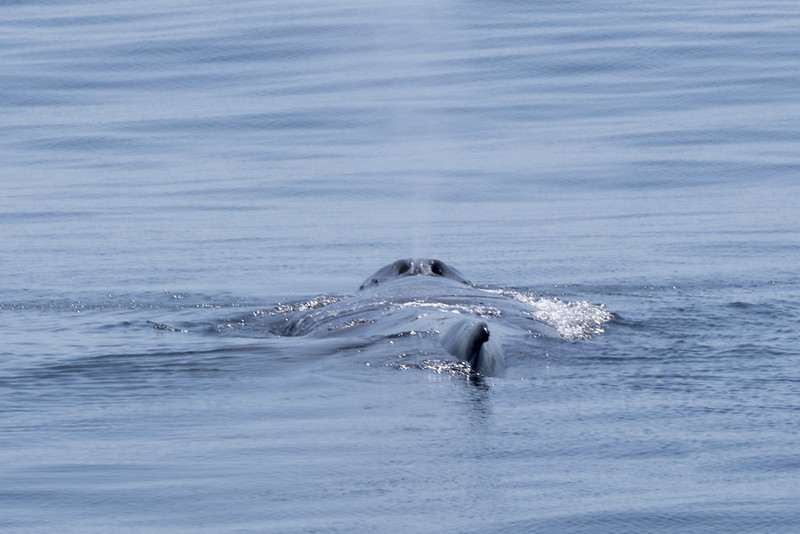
(423, 299)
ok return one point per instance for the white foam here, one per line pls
(572, 320)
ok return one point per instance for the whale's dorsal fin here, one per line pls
(468, 340)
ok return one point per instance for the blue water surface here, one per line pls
(173, 172)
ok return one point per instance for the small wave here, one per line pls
(312, 304)
(168, 328)
(350, 324)
(476, 309)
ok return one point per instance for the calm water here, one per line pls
(173, 171)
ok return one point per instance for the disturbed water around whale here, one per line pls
(177, 176)
(426, 308)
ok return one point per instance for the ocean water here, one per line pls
(173, 173)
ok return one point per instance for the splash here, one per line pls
(441, 367)
(572, 320)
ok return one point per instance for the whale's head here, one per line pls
(413, 267)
